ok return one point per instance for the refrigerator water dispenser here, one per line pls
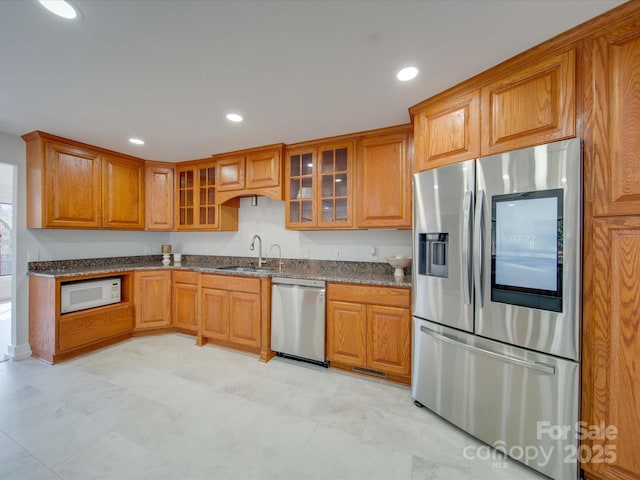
(433, 250)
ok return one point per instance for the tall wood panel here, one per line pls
(615, 346)
(616, 140)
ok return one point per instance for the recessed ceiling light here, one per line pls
(234, 117)
(136, 141)
(61, 8)
(407, 73)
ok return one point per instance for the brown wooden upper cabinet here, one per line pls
(530, 105)
(383, 179)
(256, 171)
(196, 207)
(122, 193)
(447, 131)
(159, 196)
(72, 185)
(319, 186)
(533, 105)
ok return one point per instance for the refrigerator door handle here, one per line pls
(467, 246)
(537, 366)
(478, 248)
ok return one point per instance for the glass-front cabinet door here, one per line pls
(186, 193)
(335, 178)
(300, 191)
(207, 196)
(319, 188)
(197, 207)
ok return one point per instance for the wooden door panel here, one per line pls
(347, 333)
(616, 133)
(159, 201)
(152, 294)
(447, 132)
(533, 105)
(123, 190)
(384, 182)
(614, 382)
(74, 190)
(230, 173)
(245, 319)
(214, 314)
(389, 339)
(263, 170)
(185, 306)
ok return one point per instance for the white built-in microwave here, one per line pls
(84, 294)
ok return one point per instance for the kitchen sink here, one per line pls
(235, 268)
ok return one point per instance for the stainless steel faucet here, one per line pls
(261, 261)
(279, 256)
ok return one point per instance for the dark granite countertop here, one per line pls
(365, 273)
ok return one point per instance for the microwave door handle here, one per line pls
(467, 246)
(478, 247)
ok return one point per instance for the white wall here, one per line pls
(267, 220)
(12, 151)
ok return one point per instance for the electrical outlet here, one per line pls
(304, 253)
(32, 255)
(338, 253)
(373, 253)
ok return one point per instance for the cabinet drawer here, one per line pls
(236, 284)
(84, 328)
(393, 297)
(190, 278)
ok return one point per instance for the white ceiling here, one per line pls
(169, 70)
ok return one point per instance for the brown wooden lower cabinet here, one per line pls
(55, 336)
(152, 294)
(369, 327)
(231, 311)
(186, 304)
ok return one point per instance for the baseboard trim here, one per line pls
(19, 352)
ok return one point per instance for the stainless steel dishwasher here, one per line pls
(297, 319)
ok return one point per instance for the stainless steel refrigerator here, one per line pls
(496, 300)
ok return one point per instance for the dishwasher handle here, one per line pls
(300, 282)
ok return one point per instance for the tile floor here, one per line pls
(161, 408)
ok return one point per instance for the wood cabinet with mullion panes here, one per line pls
(207, 193)
(300, 188)
(186, 186)
(335, 171)
(197, 208)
